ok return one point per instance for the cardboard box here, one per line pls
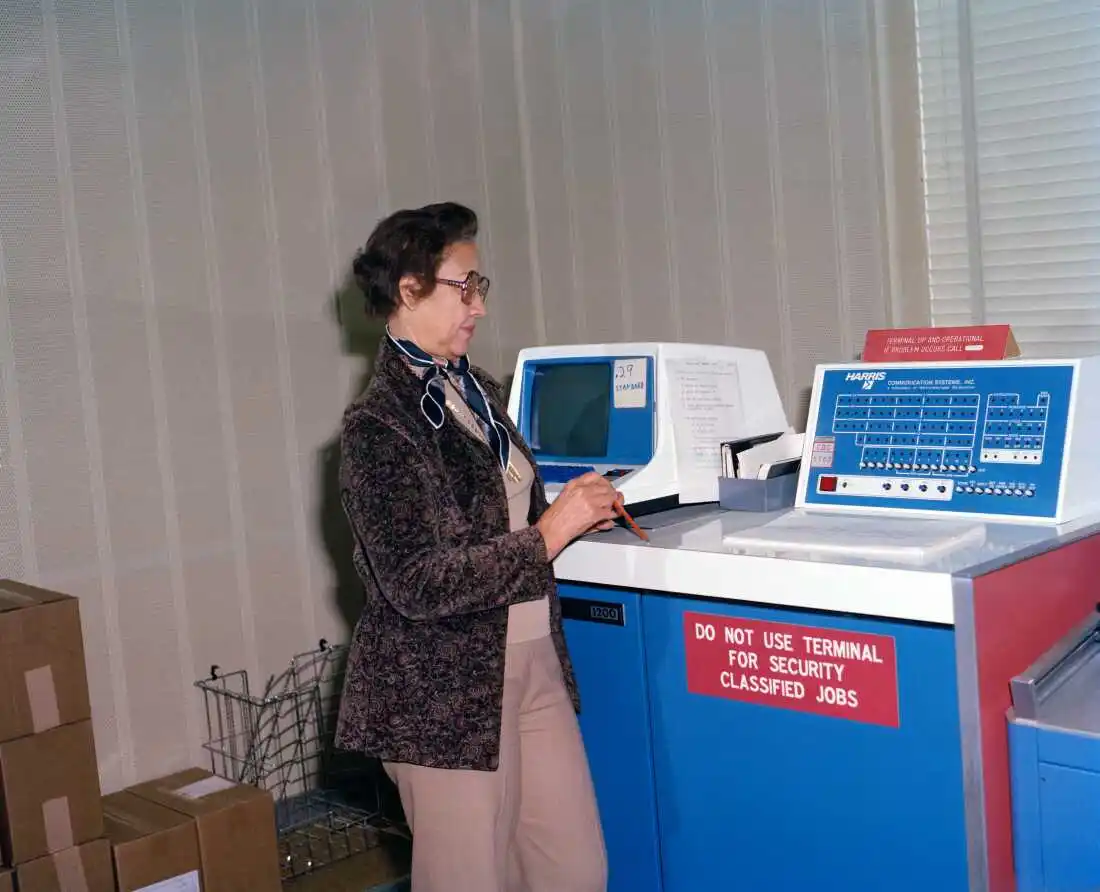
(236, 827)
(152, 844)
(49, 788)
(7, 884)
(86, 868)
(42, 672)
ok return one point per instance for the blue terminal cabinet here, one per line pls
(1055, 807)
(704, 792)
(769, 799)
(603, 628)
(1054, 760)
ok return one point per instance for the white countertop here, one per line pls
(687, 555)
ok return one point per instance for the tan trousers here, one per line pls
(531, 825)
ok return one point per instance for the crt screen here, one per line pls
(572, 409)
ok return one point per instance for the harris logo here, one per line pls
(867, 379)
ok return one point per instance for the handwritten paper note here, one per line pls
(706, 410)
(630, 383)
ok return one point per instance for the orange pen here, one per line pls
(638, 531)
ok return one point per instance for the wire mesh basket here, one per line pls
(329, 805)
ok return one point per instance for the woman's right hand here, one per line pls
(585, 503)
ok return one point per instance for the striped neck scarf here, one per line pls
(433, 400)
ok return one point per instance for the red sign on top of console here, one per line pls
(965, 344)
(847, 675)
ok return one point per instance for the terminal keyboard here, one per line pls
(563, 473)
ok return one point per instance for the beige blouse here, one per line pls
(530, 619)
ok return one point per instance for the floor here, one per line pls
(381, 869)
(330, 832)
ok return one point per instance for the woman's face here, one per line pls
(440, 322)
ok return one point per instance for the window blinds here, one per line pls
(1010, 113)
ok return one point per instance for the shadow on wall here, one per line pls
(359, 337)
(800, 416)
(357, 780)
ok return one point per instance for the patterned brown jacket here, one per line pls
(425, 675)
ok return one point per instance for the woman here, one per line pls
(458, 677)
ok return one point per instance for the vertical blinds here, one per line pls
(1010, 114)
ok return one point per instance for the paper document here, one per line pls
(898, 539)
(184, 882)
(752, 460)
(205, 787)
(705, 397)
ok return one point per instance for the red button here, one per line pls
(826, 484)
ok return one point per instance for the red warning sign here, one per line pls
(956, 344)
(847, 675)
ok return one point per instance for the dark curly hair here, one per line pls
(409, 243)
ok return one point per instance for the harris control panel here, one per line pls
(1011, 440)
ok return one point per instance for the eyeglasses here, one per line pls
(474, 282)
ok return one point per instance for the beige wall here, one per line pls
(183, 183)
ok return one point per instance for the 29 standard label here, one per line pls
(847, 675)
